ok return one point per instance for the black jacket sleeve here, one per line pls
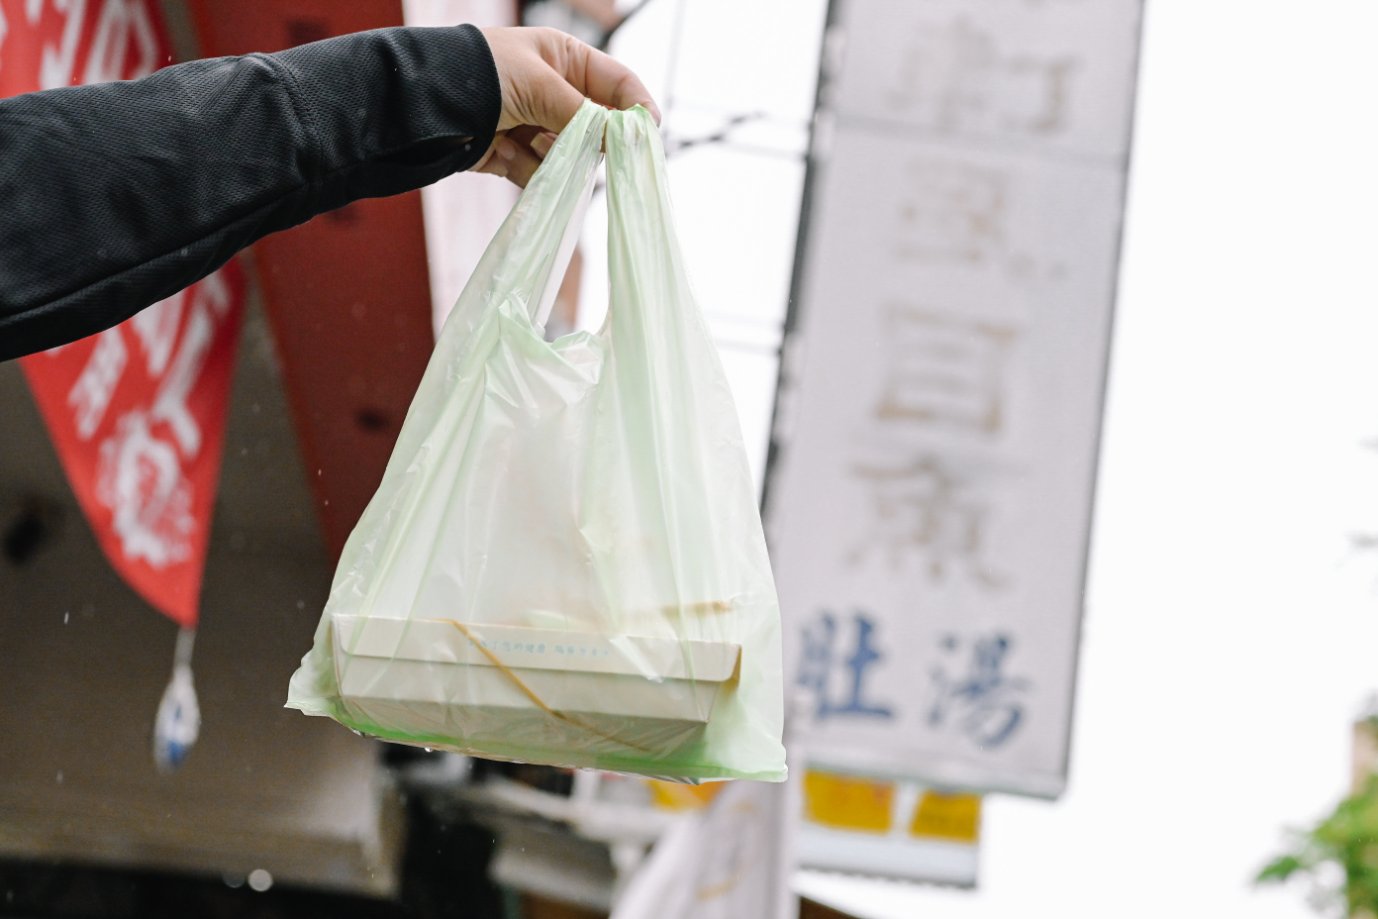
(116, 195)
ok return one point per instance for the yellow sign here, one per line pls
(951, 817)
(674, 796)
(845, 803)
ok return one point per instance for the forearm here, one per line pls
(117, 195)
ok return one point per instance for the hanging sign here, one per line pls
(889, 829)
(137, 412)
(940, 405)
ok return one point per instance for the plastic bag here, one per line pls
(564, 562)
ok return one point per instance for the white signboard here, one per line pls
(941, 401)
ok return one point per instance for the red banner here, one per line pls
(137, 412)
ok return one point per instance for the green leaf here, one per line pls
(1279, 869)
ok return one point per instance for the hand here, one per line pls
(545, 76)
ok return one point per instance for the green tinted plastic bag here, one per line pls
(564, 562)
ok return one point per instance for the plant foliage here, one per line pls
(1347, 840)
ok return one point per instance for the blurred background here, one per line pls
(1049, 325)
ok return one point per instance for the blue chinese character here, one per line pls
(984, 705)
(820, 658)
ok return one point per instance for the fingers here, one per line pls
(516, 156)
(602, 78)
(545, 76)
(521, 165)
(512, 161)
(542, 143)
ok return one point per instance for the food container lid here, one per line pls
(519, 647)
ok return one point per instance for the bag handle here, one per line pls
(526, 258)
(652, 295)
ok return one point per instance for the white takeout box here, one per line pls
(441, 677)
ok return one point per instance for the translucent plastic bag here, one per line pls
(564, 562)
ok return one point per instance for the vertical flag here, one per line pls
(137, 412)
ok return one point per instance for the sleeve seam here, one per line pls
(305, 114)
